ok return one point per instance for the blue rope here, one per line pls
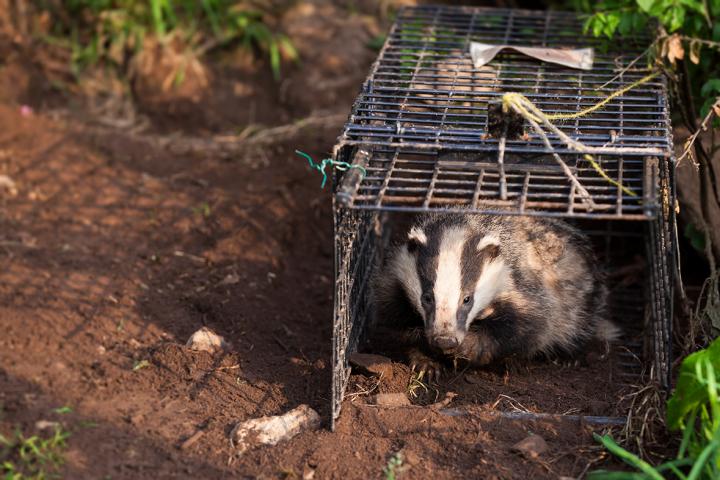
(342, 166)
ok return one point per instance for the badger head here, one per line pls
(450, 274)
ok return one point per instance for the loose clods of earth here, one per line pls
(372, 364)
(531, 446)
(205, 340)
(271, 430)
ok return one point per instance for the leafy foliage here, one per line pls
(696, 23)
(693, 410)
(111, 31)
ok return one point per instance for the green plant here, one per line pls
(393, 467)
(32, 457)
(112, 31)
(694, 411)
(694, 27)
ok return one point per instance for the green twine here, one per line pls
(342, 166)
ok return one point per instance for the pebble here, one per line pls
(531, 446)
(391, 400)
(272, 430)
(46, 425)
(373, 364)
(7, 183)
(206, 340)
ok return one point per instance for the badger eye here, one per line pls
(466, 299)
(427, 298)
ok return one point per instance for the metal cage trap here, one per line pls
(424, 129)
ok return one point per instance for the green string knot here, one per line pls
(320, 167)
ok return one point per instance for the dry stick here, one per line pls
(583, 149)
(629, 66)
(584, 194)
(703, 128)
(501, 165)
(530, 111)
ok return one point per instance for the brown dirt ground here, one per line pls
(115, 248)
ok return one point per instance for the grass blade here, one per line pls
(629, 457)
(702, 460)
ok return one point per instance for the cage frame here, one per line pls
(361, 233)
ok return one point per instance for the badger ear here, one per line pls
(489, 246)
(416, 238)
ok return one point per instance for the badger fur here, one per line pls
(486, 287)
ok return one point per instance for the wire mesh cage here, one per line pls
(421, 130)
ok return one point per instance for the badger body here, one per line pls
(484, 287)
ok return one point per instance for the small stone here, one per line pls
(271, 430)
(373, 364)
(101, 350)
(392, 400)
(472, 379)
(46, 425)
(7, 183)
(411, 458)
(230, 279)
(530, 447)
(308, 473)
(206, 340)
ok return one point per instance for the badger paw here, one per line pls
(475, 349)
(426, 368)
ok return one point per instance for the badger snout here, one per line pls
(444, 342)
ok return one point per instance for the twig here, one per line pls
(628, 67)
(449, 397)
(689, 143)
(533, 114)
(584, 194)
(192, 439)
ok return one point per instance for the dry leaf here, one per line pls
(716, 108)
(695, 47)
(675, 50)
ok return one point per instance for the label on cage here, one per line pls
(581, 58)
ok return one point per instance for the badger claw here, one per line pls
(425, 367)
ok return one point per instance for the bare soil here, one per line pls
(116, 247)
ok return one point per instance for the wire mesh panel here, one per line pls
(423, 90)
(422, 180)
(423, 116)
(661, 248)
(356, 243)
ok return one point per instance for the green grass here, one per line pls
(112, 31)
(694, 411)
(34, 457)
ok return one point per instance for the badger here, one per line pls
(486, 287)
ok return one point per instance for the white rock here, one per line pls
(271, 430)
(46, 425)
(7, 183)
(207, 341)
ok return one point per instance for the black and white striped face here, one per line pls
(451, 275)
